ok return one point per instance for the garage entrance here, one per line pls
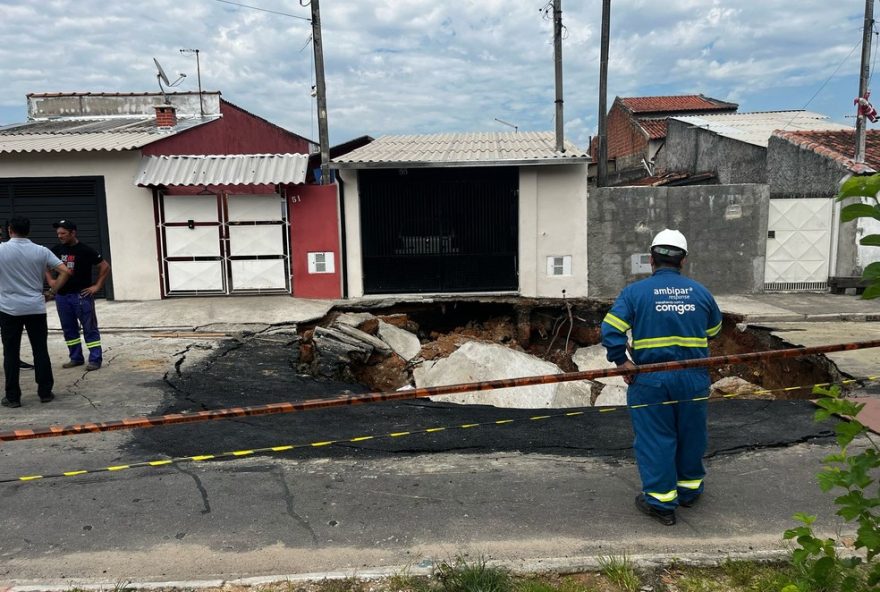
(439, 230)
(48, 199)
(224, 244)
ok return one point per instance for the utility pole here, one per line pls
(861, 124)
(602, 140)
(321, 93)
(557, 57)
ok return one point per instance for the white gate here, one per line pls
(798, 244)
(224, 244)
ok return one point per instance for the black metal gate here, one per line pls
(48, 199)
(439, 230)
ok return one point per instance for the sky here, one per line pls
(429, 66)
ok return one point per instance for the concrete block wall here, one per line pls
(696, 150)
(726, 228)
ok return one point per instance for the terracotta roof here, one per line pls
(655, 128)
(838, 146)
(675, 103)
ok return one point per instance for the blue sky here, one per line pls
(422, 66)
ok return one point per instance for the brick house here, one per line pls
(636, 129)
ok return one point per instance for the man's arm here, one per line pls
(715, 318)
(614, 338)
(58, 282)
(103, 274)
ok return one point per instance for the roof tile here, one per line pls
(838, 146)
(675, 103)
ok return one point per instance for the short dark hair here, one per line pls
(19, 225)
(667, 256)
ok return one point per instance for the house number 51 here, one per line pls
(295, 199)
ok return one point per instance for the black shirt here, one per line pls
(79, 259)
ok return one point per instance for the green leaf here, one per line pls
(791, 588)
(859, 210)
(863, 186)
(871, 240)
(805, 518)
(872, 271)
(847, 431)
(872, 291)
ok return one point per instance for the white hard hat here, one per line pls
(670, 238)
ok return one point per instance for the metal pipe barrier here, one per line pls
(152, 421)
(198, 458)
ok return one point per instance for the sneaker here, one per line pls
(665, 518)
(24, 365)
(71, 364)
(688, 503)
(92, 367)
(47, 398)
(11, 404)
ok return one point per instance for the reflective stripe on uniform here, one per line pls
(713, 331)
(73, 341)
(93, 344)
(616, 322)
(664, 497)
(691, 484)
(670, 341)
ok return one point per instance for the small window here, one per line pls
(558, 266)
(321, 262)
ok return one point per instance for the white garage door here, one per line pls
(798, 244)
(234, 244)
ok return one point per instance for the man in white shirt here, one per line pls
(23, 307)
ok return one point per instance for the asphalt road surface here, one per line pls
(559, 489)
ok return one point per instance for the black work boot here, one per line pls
(665, 518)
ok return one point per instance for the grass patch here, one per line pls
(476, 576)
(621, 572)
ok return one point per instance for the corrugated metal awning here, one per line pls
(237, 169)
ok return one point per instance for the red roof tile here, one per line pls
(655, 128)
(839, 146)
(675, 103)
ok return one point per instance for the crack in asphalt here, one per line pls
(771, 445)
(291, 511)
(202, 491)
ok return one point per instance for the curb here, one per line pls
(548, 565)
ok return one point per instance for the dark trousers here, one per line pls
(77, 311)
(11, 328)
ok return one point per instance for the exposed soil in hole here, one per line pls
(552, 330)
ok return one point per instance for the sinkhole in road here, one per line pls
(561, 332)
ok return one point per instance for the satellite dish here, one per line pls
(162, 77)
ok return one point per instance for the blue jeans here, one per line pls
(77, 311)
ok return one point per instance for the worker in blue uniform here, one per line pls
(671, 318)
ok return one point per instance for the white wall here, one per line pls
(352, 204)
(129, 211)
(552, 223)
(867, 255)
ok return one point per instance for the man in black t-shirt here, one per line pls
(75, 300)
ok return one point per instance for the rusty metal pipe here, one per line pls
(312, 404)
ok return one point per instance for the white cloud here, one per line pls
(420, 66)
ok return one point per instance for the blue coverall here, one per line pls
(671, 318)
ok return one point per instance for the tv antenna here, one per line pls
(515, 127)
(199, 75)
(162, 77)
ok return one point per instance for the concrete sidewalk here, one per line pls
(187, 314)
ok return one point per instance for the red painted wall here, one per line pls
(313, 212)
(237, 132)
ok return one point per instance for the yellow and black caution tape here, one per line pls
(365, 438)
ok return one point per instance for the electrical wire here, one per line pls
(824, 84)
(296, 16)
